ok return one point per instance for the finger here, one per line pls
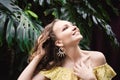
(82, 64)
(90, 66)
(40, 47)
(76, 73)
(39, 38)
(45, 39)
(42, 38)
(78, 65)
(76, 68)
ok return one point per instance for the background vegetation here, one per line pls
(21, 22)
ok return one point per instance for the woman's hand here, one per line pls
(27, 73)
(41, 54)
(41, 51)
(84, 72)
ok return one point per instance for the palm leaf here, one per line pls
(2, 23)
(20, 27)
(85, 14)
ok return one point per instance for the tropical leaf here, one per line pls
(85, 14)
(19, 25)
(10, 32)
(2, 23)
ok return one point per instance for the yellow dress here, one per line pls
(103, 72)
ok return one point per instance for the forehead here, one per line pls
(59, 24)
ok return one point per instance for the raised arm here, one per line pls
(28, 72)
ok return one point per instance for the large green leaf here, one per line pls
(20, 23)
(2, 23)
(10, 32)
(10, 6)
(85, 14)
(21, 29)
(25, 31)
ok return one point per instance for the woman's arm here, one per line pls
(27, 73)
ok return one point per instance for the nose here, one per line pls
(74, 28)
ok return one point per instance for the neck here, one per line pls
(73, 53)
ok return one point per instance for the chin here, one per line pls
(80, 37)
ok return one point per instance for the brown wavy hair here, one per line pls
(50, 59)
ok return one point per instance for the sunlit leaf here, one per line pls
(41, 2)
(24, 34)
(32, 14)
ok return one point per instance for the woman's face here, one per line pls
(67, 34)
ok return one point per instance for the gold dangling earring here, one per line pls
(61, 53)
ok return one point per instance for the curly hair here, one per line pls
(50, 59)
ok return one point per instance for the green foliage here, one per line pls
(85, 14)
(21, 22)
(2, 23)
(18, 28)
(21, 25)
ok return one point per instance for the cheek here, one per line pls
(64, 35)
(66, 38)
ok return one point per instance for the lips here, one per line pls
(75, 32)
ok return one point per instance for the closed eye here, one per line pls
(66, 27)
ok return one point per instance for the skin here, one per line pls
(81, 61)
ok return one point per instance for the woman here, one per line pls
(57, 56)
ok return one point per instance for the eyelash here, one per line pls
(68, 26)
(65, 28)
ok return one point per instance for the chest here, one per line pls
(87, 61)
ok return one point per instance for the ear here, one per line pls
(58, 43)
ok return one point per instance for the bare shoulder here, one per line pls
(39, 77)
(97, 58)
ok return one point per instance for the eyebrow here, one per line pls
(68, 23)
